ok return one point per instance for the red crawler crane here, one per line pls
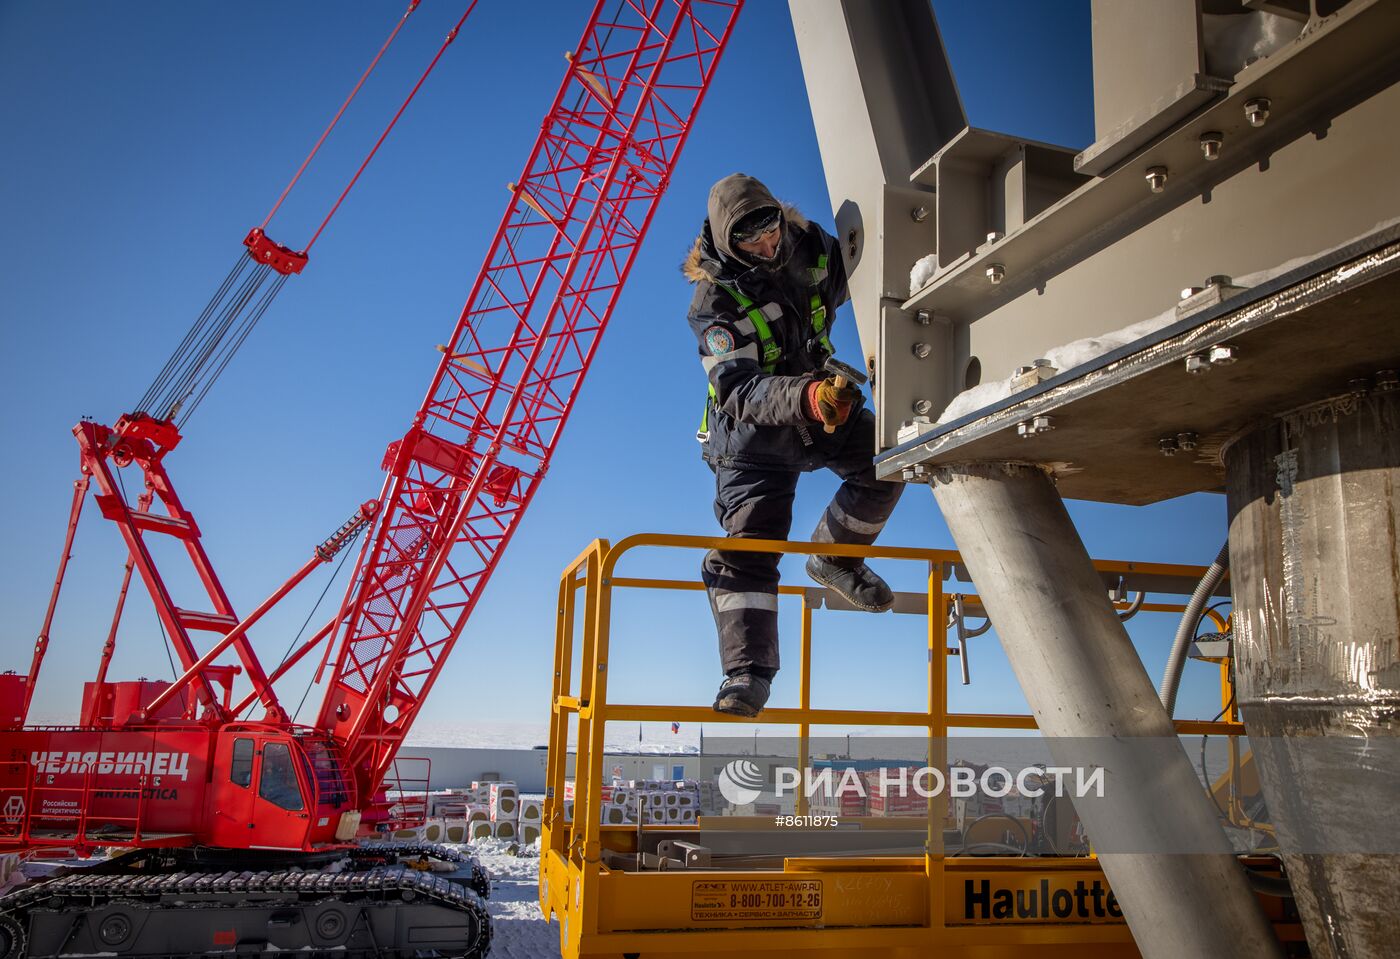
(177, 773)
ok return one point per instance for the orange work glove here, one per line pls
(827, 403)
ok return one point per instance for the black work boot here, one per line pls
(858, 585)
(742, 694)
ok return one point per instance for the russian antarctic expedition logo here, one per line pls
(741, 782)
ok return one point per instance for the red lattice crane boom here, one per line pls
(461, 477)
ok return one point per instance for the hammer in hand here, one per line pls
(843, 373)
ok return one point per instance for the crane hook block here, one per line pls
(280, 258)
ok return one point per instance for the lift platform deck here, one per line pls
(877, 886)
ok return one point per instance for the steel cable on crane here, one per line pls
(227, 319)
(181, 373)
(413, 5)
(162, 378)
(187, 378)
(344, 555)
(233, 347)
(432, 64)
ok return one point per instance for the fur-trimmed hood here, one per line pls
(706, 262)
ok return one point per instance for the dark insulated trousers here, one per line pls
(757, 504)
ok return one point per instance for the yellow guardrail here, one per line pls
(572, 870)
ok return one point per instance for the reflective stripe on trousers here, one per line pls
(757, 504)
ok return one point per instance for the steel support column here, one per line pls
(1083, 680)
(1315, 568)
(883, 101)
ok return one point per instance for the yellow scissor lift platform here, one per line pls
(612, 902)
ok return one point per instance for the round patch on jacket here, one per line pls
(719, 341)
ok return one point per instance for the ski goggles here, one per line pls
(760, 228)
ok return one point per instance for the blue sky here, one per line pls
(142, 144)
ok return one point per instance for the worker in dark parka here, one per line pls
(767, 285)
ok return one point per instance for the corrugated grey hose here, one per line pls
(1186, 632)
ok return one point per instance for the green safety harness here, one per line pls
(769, 351)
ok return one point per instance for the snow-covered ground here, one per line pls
(519, 930)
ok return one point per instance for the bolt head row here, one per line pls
(1036, 424)
(1385, 381)
(1219, 279)
(1181, 442)
(1221, 354)
(1256, 113)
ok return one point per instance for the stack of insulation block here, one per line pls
(619, 806)
(531, 820)
(465, 815)
(649, 801)
(448, 804)
(670, 806)
(569, 789)
(476, 812)
(503, 806)
(653, 802)
(711, 801)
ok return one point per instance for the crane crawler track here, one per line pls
(399, 852)
(385, 911)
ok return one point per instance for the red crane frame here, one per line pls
(460, 478)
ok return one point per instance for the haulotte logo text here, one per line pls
(742, 782)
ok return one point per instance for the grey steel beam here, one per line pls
(883, 100)
(1149, 74)
(1112, 253)
(1115, 415)
(1082, 678)
(1315, 562)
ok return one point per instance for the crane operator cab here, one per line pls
(287, 786)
